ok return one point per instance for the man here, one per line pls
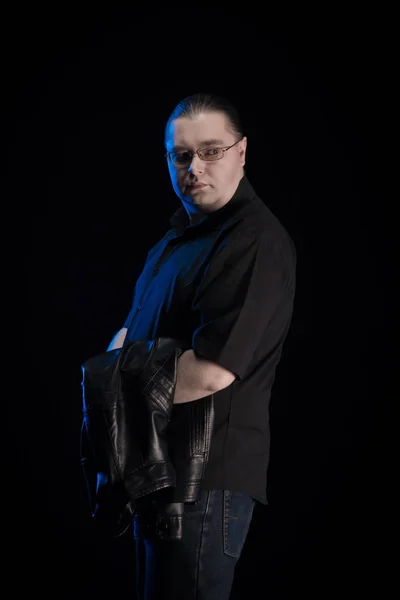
(223, 277)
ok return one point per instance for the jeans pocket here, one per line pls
(238, 511)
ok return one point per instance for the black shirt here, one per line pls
(227, 285)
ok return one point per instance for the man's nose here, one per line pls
(196, 166)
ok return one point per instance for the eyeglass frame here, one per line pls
(224, 149)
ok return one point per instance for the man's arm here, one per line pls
(118, 339)
(195, 377)
(198, 377)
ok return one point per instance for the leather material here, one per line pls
(127, 404)
(169, 523)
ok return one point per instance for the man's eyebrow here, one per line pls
(212, 142)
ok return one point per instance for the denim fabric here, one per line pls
(201, 566)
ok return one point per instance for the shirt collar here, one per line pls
(244, 194)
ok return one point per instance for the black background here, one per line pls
(86, 92)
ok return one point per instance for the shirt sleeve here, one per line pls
(128, 319)
(237, 298)
(131, 313)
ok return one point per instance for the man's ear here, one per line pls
(242, 151)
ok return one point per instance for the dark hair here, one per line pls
(195, 104)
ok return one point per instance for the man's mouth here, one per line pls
(195, 186)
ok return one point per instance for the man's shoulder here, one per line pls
(258, 222)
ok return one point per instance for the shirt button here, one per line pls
(156, 270)
(138, 308)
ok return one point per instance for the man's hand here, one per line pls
(118, 339)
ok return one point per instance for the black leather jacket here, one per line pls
(127, 404)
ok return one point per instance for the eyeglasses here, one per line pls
(183, 159)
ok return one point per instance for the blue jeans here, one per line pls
(201, 565)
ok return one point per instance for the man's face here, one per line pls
(205, 186)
